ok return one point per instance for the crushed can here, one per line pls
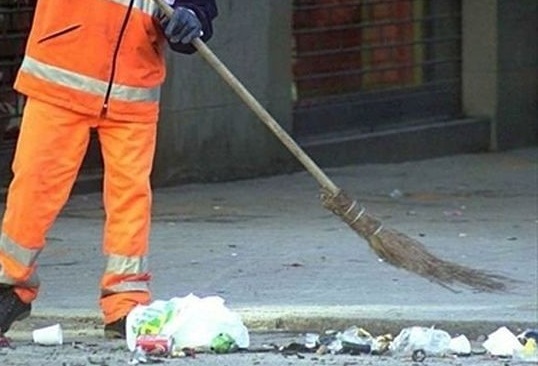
(155, 345)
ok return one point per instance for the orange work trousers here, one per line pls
(52, 144)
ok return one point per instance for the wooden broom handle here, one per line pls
(257, 108)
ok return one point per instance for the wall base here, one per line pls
(402, 144)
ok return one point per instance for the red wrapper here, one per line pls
(154, 344)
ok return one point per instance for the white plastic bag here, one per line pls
(432, 341)
(460, 345)
(191, 321)
(502, 342)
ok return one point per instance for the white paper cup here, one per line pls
(48, 336)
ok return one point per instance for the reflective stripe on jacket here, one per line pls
(95, 57)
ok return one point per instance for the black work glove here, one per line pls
(183, 26)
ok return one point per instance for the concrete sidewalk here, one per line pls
(275, 255)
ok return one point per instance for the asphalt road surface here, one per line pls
(115, 353)
(84, 346)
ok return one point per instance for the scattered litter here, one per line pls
(418, 355)
(357, 340)
(48, 336)
(527, 334)
(352, 341)
(154, 344)
(311, 340)
(223, 343)
(185, 352)
(418, 343)
(322, 349)
(396, 193)
(294, 347)
(432, 341)
(460, 345)
(502, 343)
(188, 322)
(138, 357)
(529, 352)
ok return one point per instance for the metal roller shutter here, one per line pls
(369, 65)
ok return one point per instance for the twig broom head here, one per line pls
(404, 252)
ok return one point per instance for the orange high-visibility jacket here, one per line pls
(99, 57)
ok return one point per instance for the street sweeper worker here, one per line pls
(91, 64)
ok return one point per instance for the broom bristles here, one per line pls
(407, 253)
(402, 251)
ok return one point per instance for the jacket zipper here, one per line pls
(115, 58)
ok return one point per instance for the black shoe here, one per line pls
(116, 329)
(11, 308)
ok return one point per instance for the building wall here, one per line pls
(206, 132)
(517, 109)
(500, 63)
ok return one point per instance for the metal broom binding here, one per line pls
(390, 245)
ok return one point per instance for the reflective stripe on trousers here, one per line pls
(121, 267)
(19, 262)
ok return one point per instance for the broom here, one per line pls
(390, 245)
